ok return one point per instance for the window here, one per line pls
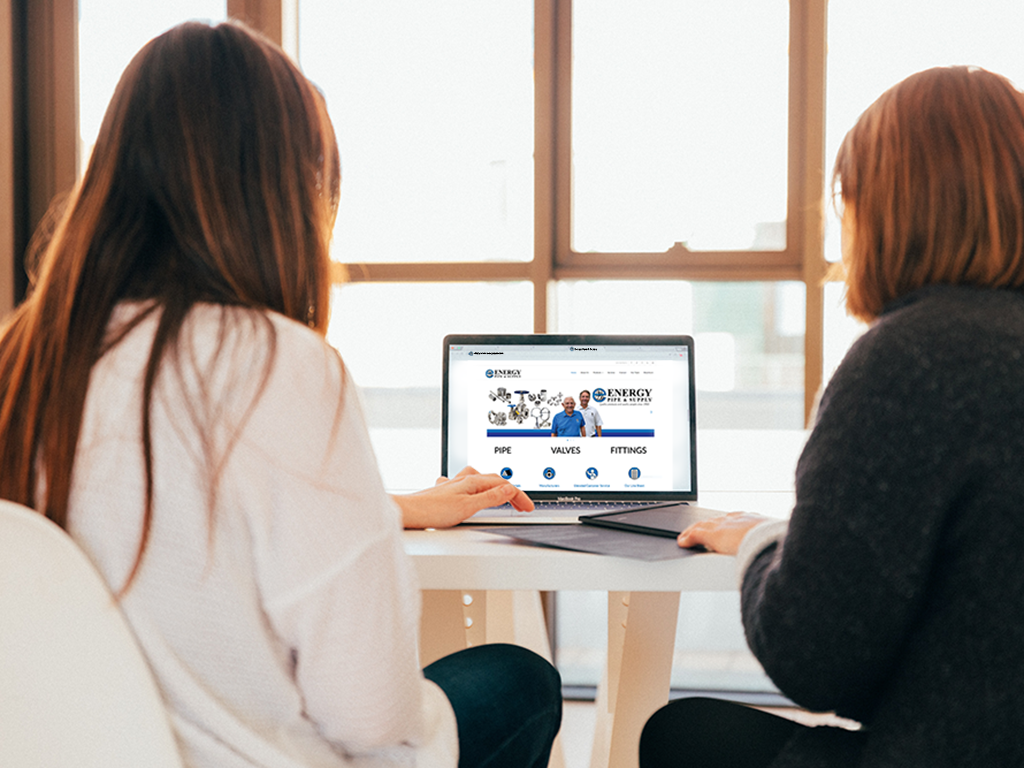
(451, 122)
(433, 107)
(679, 125)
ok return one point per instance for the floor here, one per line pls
(577, 732)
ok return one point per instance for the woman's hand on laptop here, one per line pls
(720, 534)
(454, 499)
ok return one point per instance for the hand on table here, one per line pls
(720, 534)
(454, 499)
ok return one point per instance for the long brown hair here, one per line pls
(933, 173)
(214, 178)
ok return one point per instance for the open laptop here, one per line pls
(501, 400)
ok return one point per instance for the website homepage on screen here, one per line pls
(516, 410)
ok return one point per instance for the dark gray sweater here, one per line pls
(897, 596)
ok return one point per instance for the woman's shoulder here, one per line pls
(936, 345)
(255, 326)
(954, 309)
(942, 323)
(240, 334)
(258, 363)
(209, 330)
(278, 378)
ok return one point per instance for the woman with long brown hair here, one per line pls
(894, 595)
(167, 396)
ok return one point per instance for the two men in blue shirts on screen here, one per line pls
(568, 423)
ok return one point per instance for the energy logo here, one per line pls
(623, 395)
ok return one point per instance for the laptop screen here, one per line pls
(513, 405)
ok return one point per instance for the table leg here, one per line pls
(641, 642)
(442, 624)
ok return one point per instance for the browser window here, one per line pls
(517, 410)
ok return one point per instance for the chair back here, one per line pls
(75, 689)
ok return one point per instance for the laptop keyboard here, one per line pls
(580, 506)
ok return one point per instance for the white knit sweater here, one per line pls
(285, 633)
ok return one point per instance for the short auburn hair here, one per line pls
(933, 173)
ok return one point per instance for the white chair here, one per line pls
(75, 689)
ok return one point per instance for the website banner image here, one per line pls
(589, 423)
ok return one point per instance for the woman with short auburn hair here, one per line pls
(893, 596)
(168, 397)
(943, 131)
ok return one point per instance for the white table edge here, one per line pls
(462, 558)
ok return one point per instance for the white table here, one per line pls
(483, 588)
(500, 580)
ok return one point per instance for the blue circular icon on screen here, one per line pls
(592, 473)
(549, 473)
(599, 394)
(634, 473)
(490, 373)
(506, 472)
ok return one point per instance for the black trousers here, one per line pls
(507, 702)
(701, 732)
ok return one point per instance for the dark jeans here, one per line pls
(703, 732)
(507, 701)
